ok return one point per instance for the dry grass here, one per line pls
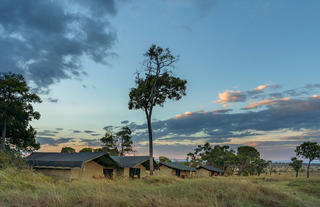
(26, 188)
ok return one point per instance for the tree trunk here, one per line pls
(308, 168)
(297, 173)
(121, 153)
(3, 140)
(150, 145)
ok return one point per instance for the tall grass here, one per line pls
(27, 188)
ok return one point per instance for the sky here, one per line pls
(252, 70)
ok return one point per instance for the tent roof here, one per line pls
(178, 166)
(129, 161)
(211, 168)
(62, 160)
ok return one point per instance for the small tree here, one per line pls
(296, 165)
(310, 151)
(164, 159)
(87, 149)
(67, 150)
(260, 165)
(119, 143)
(16, 111)
(155, 86)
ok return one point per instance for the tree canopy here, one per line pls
(117, 143)
(67, 150)
(310, 151)
(86, 149)
(16, 111)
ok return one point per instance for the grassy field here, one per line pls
(26, 188)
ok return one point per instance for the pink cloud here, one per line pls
(231, 96)
(254, 105)
(262, 87)
(185, 114)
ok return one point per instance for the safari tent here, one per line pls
(132, 166)
(175, 169)
(208, 171)
(72, 166)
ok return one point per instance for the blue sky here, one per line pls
(227, 50)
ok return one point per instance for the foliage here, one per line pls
(310, 151)
(164, 159)
(118, 143)
(259, 165)
(87, 149)
(246, 157)
(155, 86)
(12, 159)
(16, 111)
(67, 150)
(247, 160)
(199, 155)
(296, 165)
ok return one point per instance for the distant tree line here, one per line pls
(247, 160)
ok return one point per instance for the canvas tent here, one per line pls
(175, 169)
(208, 171)
(132, 166)
(72, 166)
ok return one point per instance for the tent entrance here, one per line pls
(134, 172)
(108, 173)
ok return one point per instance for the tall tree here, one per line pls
(118, 143)
(310, 151)
(246, 156)
(296, 165)
(155, 86)
(16, 111)
(67, 150)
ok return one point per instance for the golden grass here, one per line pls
(26, 188)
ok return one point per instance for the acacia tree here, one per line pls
(154, 86)
(296, 165)
(118, 143)
(308, 150)
(16, 111)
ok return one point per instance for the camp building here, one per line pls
(208, 171)
(132, 166)
(71, 166)
(88, 165)
(175, 169)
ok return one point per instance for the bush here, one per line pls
(12, 159)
